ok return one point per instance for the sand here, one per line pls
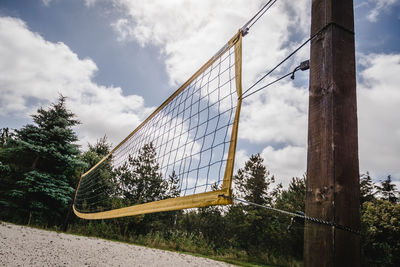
(25, 246)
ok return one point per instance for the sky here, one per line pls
(117, 60)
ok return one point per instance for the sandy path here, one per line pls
(24, 246)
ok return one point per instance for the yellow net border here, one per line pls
(218, 197)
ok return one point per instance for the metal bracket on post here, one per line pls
(305, 65)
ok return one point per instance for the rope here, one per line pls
(304, 217)
(265, 86)
(246, 27)
(280, 63)
(290, 55)
(300, 67)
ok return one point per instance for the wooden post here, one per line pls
(332, 163)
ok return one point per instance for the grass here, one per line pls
(161, 244)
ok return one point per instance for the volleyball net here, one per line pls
(182, 156)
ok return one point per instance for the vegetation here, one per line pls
(39, 167)
(380, 223)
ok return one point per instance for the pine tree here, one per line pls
(291, 232)
(253, 180)
(104, 189)
(253, 183)
(293, 199)
(388, 190)
(6, 180)
(96, 152)
(140, 180)
(41, 161)
(366, 189)
(4, 135)
(173, 186)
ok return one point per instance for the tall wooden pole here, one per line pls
(332, 163)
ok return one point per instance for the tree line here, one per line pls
(40, 165)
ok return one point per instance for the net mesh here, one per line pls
(181, 150)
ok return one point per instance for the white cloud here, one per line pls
(190, 32)
(277, 115)
(90, 3)
(35, 70)
(380, 6)
(46, 2)
(286, 162)
(378, 114)
(241, 157)
(121, 26)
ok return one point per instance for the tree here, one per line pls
(173, 186)
(253, 181)
(6, 180)
(4, 135)
(292, 199)
(366, 189)
(253, 184)
(380, 225)
(102, 188)
(40, 163)
(96, 152)
(388, 190)
(140, 180)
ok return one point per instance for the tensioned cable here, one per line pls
(265, 86)
(305, 65)
(289, 56)
(280, 63)
(304, 217)
(246, 27)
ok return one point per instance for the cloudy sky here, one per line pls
(117, 60)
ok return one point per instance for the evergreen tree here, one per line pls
(366, 189)
(380, 237)
(96, 152)
(253, 181)
(4, 135)
(388, 190)
(253, 184)
(140, 180)
(102, 178)
(6, 180)
(40, 163)
(173, 186)
(292, 199)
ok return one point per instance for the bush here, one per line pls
(380, 222)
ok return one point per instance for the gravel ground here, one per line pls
(25, 246)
